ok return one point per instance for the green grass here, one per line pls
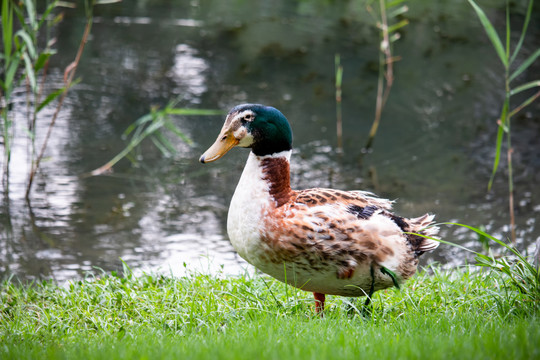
(441, 315)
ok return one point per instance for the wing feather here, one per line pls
(320, 196)
(324, 228)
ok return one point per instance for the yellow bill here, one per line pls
(225, 142)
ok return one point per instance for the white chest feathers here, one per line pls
(249, 203)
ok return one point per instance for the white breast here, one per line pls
(246, 211)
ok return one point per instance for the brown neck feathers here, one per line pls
(276, 172)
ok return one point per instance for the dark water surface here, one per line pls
(433, 152)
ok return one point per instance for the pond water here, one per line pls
(433, 152)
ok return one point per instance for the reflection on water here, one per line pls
(188, 73)
(433, 152)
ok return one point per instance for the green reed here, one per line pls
(512, 72)
(389, 22)
(152, 126)
(24, 62)
(518, 273)
(339, 111)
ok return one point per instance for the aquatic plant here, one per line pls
(25, 62)
(511, 73)
(339, 117)
(388, 24)
(22, 61)
(520, 276)
(151, 126)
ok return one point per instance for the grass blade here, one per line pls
(158, 135)
(30, 71)
(7, 29)
(28, 41)
(151, 125)
(183, 111)
(158, 140)
(444, 241)
(497, 160)
(507, 55)
(46, 13)
(399, 11)
(483, 233)
(66, 4)
(42, 60)
(143, 119)
(31, 11)
(525, 64)
(524, 87)
(175, 130)
(390, 4)
(523, 31)
(12, 69)
(103, 2)
(23, 22)
(491, 33)
(49, 98)
(398, 26)
(525, 103)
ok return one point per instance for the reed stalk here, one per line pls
(151, 126)
(69, 74)
(25, 63)
(511, 73)
(339, 116)
(385, 80)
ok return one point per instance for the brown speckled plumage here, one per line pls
(322, 240)
(329, 230)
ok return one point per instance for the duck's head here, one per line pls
(264, 129)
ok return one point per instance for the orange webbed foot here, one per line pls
(319, 303)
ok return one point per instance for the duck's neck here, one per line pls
(274, 171)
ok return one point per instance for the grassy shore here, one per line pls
(437, 315)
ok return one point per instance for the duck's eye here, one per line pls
(248, 117)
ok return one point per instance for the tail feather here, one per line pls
(423, 225)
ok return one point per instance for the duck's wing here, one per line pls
(322, 196)
(364, 204)
(343, 229)
(330, 228)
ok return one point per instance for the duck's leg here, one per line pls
(319, 302)
(372, 288)
(368, 307)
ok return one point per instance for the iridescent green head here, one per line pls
(264, 129)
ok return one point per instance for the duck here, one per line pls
(325, 241)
